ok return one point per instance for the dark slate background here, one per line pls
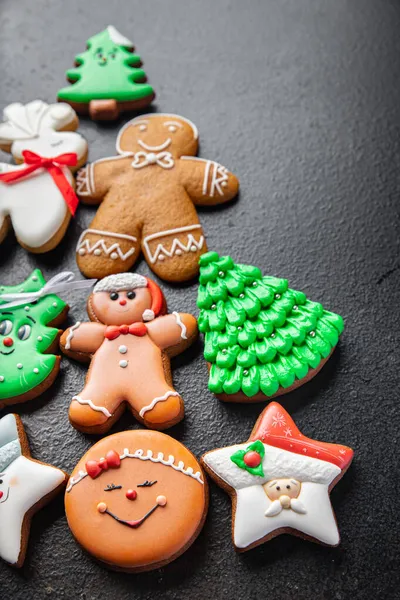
(301, 100)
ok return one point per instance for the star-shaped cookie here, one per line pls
(279, 481)
(25, 486)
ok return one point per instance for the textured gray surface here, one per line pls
(301, 100)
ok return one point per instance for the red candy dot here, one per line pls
(131, 494)
(8, 341)
(252, 459)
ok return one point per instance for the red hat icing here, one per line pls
(276, 427)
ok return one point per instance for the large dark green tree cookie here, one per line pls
(262, 339)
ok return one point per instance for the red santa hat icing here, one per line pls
(131, 281)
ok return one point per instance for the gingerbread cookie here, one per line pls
(279, 481)
(107, 78)
(148, 195)
(129, 345)
(26, 485)
(136, 500)
(262, 339)
(37, 197)
(29, 315)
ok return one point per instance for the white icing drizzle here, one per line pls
(177, 246)
(100, 246)
(101, 409)
(219, 176)
(139, 453)
(155, 401)
(71, 335)
(181, 325)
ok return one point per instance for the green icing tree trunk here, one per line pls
(260, 335)
(25, 365)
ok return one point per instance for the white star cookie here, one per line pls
(279, 481)
(25, 486)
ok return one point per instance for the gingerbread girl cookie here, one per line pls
(148, 196)
(129, 345)
(279, 481)
(37, 197)
(136, 500)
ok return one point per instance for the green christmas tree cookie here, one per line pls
(107, 78)
(262, 339)
(27, 340)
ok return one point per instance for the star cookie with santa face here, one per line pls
(279, 481)
(26, 485)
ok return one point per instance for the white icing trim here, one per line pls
(114, 251)
(220, 175)
(155, 401)
(83, 187)
(181, 325)
(71, 335)
(176, 244)
(120, 282)
(149, 116)
(101, 409)
(117, 37)
(139, 453)
(162, 159)
(206, 172)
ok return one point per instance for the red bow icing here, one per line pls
(95, 467)
(52, 165)
(114, 331)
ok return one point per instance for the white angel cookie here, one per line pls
(37, 196)
(280, 482)
(25, 486)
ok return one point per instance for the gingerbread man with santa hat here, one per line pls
(129, 343)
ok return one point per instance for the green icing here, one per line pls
(238, 458)
(106, 70)
(18, 322)
(260, 335)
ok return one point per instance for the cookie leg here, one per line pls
(158, 405)
(94, 408)
(173, 254)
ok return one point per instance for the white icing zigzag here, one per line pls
(71, 335)
(100, 246)
(177, 247)
(148, 456)
(181, 324)
(155, 401)
(101, 409)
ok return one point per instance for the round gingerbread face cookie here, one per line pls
(136, 500)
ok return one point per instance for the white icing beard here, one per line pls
(251, 524)
(28, 481)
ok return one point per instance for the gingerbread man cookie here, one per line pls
(279, 481)
(26, 485)
(37, 197)
(129, 345)
(136, 500)
(148, 195)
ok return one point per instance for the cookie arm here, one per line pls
(207, 182)
(95, 179)
(82, 340)
(171, 331)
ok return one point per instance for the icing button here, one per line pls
(34, 278)
(114, 255)
(123, 363)
(312, 334)
(213, 307)
(161, 257)
(82, 251)
(254, 284)
(39, 338)
(224, 351)
(27, 308)
(193, 248)
(151, 158)
(19, 366)
(123, 349)
(295, 307)
(245, 373)
(1, 378)
(36, 370)
(55, 304)
(241, 295)
(221, 274)
(97, 252)
(277, 296)
(178, 251)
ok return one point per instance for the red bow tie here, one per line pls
(95, 467)
(52, 165)
(114, 331)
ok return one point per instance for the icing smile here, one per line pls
(7, 353)
(160, 501)
(155, 148)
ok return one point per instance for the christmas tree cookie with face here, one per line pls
(262, 339)
(279, 481)
(37, 197)
(107, 78)
(129, 343)
(136, 500)
(26, 485)
(148, 196)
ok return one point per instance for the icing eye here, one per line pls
(142, 128)
(131, 295)
(112, 55)
(172, 128)
(1, 481)
(288, 487)
(5, 327)
(278, 488)
(114, 296)
(24, 332)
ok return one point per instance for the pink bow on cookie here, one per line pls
(95, 467)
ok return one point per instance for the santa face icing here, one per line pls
(25, 484)
(281, 481)
(143, 495)
(129, 345)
